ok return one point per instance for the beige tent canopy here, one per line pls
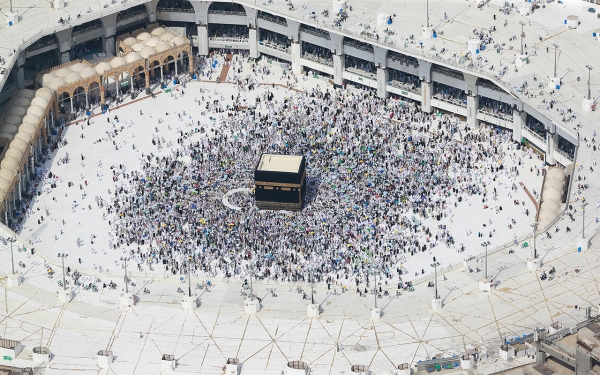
(9, 163)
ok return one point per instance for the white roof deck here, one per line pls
(280, 163)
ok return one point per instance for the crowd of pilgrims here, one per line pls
(382, 180)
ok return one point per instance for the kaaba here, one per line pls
(280, 182)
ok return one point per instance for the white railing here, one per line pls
(498, 115)
(175, 10)
(318, 59)
(227, 39)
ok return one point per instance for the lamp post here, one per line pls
(435, 285)
(312, 285)
(555, 53)
(190, 276)
(63, 256)
(124, 259)
(485, 273)
(534, 226)
(583, 204)
(12, 257)
(250, 270)
(589, 96)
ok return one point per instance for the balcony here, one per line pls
(318, 59)
(175, 10)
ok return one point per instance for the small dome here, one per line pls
(72, 77)
(147, 52)
(158, 31)
(103, 67)
(5, 184)
(17, 111)
(47, 78)
(9, 163)
(6, 136)
(22, 102)
(31, 119)
(133, 56)
(27, 128)
(88, 72)
(178, 41)
(14, 120)
(56, 83)
(550, 205)
(26, 93)
(2, 195)
(138, 47)
(24, 136)
(130, 41)
(78, 67)
(7, 175)
(44, 93)
(62, 72)
(167, 36)
(36, 111)
(19, 144)
(9, 128)
(117, 62)
(14, 153)
(152, 42)
(40, 102)
(556, 173)
(144, 36)
(162, 47)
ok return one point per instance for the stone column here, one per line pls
(21, 77)
(472, 107)
(72, 107)
(87, 103)
(338, 69)
(296, 53)
(426, 92)
(147, 74)
(519, 118)
(552, 143)
(65, 57)
(102, 98)
(109, 45)
(382, 79)
(253, 40)
(203, 40)
(162, 78)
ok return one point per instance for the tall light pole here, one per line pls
(124, 259)
(522, 35)
(485, 273)
(190, 275)
(589, 96)
(12, 257)
(374, 279)
(435, 284)
(555, 52)
(63, 256)
(312, 284)
(583, 204)
(534, 226)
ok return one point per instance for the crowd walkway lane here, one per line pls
(535, 202)
(225, 70)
